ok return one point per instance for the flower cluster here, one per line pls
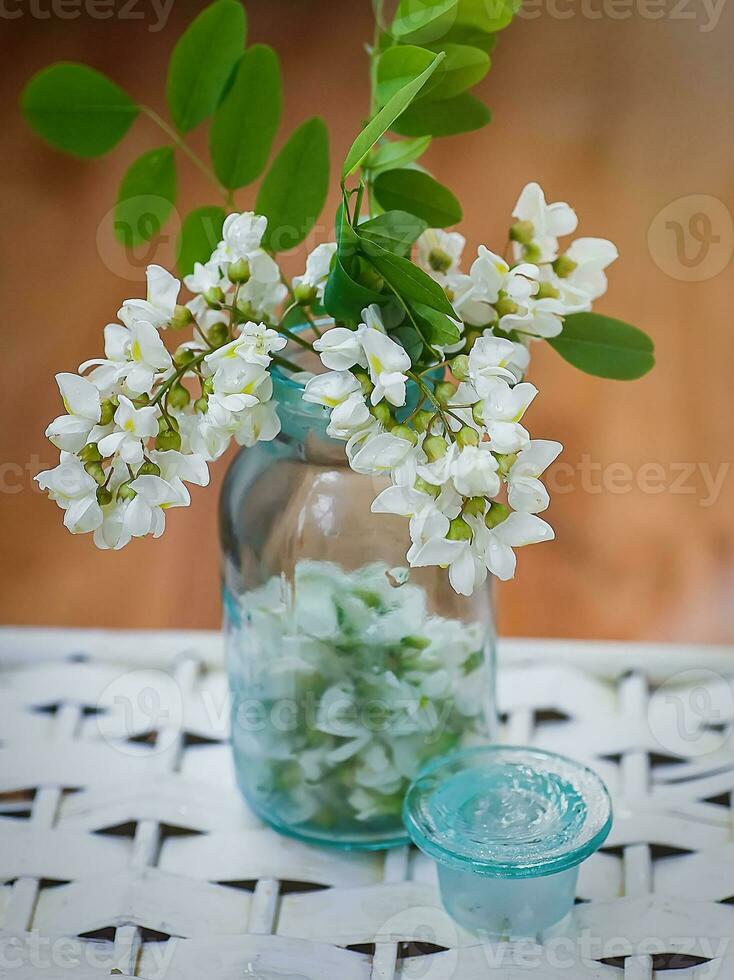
(444, 427)
(375, 685)
(142, 422)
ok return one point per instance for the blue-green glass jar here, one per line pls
(348, 670)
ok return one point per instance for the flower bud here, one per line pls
(439, 260)
(207, 386)
(141, 401)
(506, 462)
(421, 420)
(183, 356)
(470, 338)
(505, 306)
(532, 253)
(383, 415)
(107, 413)
(459, 530)
(547, 291)
(165, 424)
(522, 232)
(423, 486)
(466, 436)
(366, 275)
(96, 471)
(459, 367)
(168, 439)
(218, 334)
(497, 514)
(178, 396)
(239, 272)
(90, 453)
(404, 432)
(201, 405)
(149, 468)
(474, 506)
(104, 496)
(477, 412)
(214, 297)
(126, 492)
(365, 383)
(563, 266)
(182, 317)
(305, 295)
(445, 391)
(435, 447)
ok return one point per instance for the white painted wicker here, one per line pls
(125, 847)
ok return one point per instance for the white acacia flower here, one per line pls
(550, 221)
(489, 359)
(178, 467)
(318, 266)
(464, 559)
(331, 389)
(75, 491)
(538, 318)
(591, 256)
(206, 276)
(255, 345)
(71, 432)
(502, 410)
(242, 235)
(514, 532)
(474, 472)
(258, 424)
(439, 252)
(380, 453)
(490, 276)
(160, 304)
(525, 492)
(135, 356)
(145, 513)
(265, 296)
(133, 427)
(340, 349)
(386, 361)
(351, 416)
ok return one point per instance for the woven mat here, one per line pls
(125, 847)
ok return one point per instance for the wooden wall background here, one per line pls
(619, 116)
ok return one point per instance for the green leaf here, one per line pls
(202, 62)
(485, 16)
(395, 231)
(146, 197)
(344, 298)
(406, 279)
(605, 347)
(246, 121)
(410, 340)
(294, 191)
(385, 118)
(422, 21)
(398, 153)
(464, 67)
(398, 66)
(439, 329)
(418, 193)
(77, 110)
(474, 38)
(449, 117)
(201, 232)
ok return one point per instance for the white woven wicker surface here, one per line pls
(125, 847)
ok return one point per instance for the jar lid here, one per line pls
(507, 812)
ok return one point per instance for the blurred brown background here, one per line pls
(621, 108)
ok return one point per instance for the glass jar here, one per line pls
(348, 670)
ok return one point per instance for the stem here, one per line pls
(294, 337)
(427, 393)
(179, 373)
(294, 303)
(185, 148)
